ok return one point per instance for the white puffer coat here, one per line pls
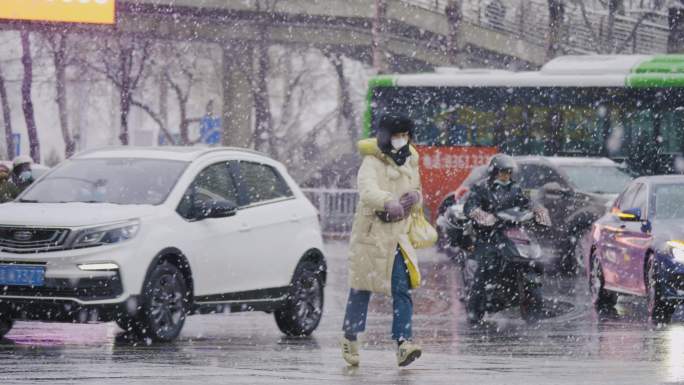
(373, 243)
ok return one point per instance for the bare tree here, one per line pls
(176, 69)
(263, 134)
(289, 114)
(182, 98)
(6, 117)
(454, 15)
(262, 108)
(156, 117)
(675, 40)
(26, 98)
(556, 15)
(302, 77)
(57, 47)
(123, 61)
(378, 36)
(346, 108)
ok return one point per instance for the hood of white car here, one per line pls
(70, 214)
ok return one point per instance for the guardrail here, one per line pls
(529, 21)
(336, 209)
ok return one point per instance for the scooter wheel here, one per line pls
(531, 304)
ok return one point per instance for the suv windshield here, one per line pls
(119, 181)
(669, 201)
(597, 179)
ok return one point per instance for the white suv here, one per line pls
(146, 236)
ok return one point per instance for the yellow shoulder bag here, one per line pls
(421, 233)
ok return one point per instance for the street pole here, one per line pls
(454, 15)
(377, 35)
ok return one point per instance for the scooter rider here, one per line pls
(498, 192)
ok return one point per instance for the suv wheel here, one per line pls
(304, 308)
(659, 309)
(164, 305)
(600, 297)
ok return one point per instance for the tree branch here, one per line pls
(180, 94)
(598, 46)
(143, 61)
(632, 34)
(154, 117)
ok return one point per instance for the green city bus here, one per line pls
(626, 107)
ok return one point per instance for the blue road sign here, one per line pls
(210, 130)
(16, 140)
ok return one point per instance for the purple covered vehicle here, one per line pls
(638, 248)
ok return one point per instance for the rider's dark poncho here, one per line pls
(492, 197)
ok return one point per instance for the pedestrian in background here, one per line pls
(7, 189)
(22, 174)
(382, 259)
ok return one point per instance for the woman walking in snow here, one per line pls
(381, 259)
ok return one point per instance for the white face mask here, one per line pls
(398, 143)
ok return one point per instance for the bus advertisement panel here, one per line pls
(443, 169)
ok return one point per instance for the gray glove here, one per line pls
(541, 216)
(409, 199)
(394, 212)
(482, 217)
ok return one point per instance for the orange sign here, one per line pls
(74, 11)
(443, 169)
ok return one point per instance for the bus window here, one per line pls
(582, 129)
(448, 128)
(513, 130)
(539, 120)
(638, 145)
(672, 130)
(444, 117)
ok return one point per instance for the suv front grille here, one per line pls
(25, 240)
(95, 288)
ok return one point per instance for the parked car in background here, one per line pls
(597, 176)
(146, 236)
(638, 248)
(576, 191)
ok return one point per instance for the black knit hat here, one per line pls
(391, 124)
(395, 124)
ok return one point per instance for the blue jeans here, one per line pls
(357, 304)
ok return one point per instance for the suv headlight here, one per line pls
(677, 249)
(107, 235)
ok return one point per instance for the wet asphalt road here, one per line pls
(575, 346)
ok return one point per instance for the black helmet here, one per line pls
(500, 162)
(391, 124)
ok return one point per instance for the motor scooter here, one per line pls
(518, 279)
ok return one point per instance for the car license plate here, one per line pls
(22, 275)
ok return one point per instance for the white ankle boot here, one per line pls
(350, 351)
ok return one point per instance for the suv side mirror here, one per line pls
(555, 190)
(631, 215)
(215, 209)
